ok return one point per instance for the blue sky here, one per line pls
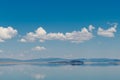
(50, 21)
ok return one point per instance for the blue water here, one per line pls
(67, 72)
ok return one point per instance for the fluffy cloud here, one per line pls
(91, 27)
(107, 33)
(75, 36)
(79, 36)
(7, 33)
(38, 48)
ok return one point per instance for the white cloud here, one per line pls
(7, 33)
(22, 40)
(91, 28)
(107, 33)
(38, 48)
(76, 36)
(79, 36)
(55, 36)
(40, 31)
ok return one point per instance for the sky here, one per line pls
(59, 28)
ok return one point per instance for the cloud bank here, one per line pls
(7, 33)
(75, 36)
(42, 35)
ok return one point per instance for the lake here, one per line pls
(65, 72)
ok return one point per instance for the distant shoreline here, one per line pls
(60, 61)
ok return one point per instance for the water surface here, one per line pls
(66, 72)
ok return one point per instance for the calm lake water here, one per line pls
(34, 72)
